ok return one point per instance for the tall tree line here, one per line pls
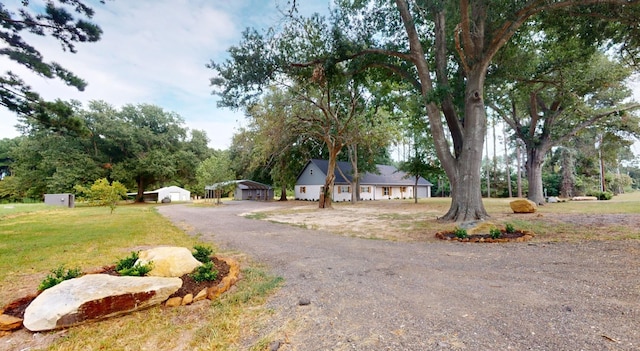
(142, 146)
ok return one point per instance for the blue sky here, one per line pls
(155, 51)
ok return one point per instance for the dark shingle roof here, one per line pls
(389, 175)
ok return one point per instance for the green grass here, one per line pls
(7, 210)
(85, 237)
(35, 239)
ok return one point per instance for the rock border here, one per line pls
(524, 235)
(212, 292)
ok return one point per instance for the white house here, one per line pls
(388, 184)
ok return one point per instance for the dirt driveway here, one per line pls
(383, 295)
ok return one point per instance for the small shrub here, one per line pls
(57, 276)
(509, 228)
(202, 253)
(138, 270)
(601, 195)
(495, 233)
(127, 262)
(460, 233)
(127, 266)
(605, 195)
(205, 273)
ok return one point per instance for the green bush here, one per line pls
(460, 233)
(205, 273)
(57, 276)
(509, 228)
(127, 266)
(601, 195)
(127, 262)
(202, 253)
(101, 193)
(495, 233)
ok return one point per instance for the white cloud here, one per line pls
(151, 52)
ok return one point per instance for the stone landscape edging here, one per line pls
(10, 323)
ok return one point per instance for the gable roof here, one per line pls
(388, 175)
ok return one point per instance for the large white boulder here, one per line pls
(95, 296)
(169, 261)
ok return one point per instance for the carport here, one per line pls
(243, 190)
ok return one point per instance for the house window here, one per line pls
(403, 189)
(344, 189)
(365, 189)
(386, 191)
(303, 190)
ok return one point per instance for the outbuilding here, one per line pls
(243, 189)
(168, 194)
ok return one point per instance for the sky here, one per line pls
(155, 52)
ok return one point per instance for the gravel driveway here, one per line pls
(380, 295)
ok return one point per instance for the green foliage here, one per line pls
(138, 270)
(460, 233)
(509, 228)
(54, 20)
(205, 273)
(495, 233)
(127, 262)
(601, 195)
(57, 276)
(216, 170)
(202, 253)
(127, 266)
(102, 193)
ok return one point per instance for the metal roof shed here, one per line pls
(244, 190)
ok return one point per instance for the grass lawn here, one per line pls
(34, 239)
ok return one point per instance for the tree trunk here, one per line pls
(464, 165)
(464, 172)
(415, 190)
(519, 170)
(535, 159)
(355, 177)
(283, 193)
(507, 161)
(326, 198)
(140, 195)
(488, 166)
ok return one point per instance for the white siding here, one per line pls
(367, 195)
(343, 194)
(311, 192)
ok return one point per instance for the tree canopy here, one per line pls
(444, 50)
(68, 22)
